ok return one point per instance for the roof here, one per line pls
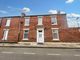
(31, 15)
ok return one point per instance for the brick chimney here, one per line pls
(23, 14)
(58, 12)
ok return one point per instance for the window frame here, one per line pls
(40, 20)
(23, 34)
(55, 19)
(8, 21)
(55, 39)
(5, 34)
(27, 19)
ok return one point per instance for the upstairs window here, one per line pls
(39, 20)
(27, 21)
(53, 20)
(8, 22)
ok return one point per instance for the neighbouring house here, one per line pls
(37, 28)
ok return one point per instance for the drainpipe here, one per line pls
(19, 30)
(20, 24)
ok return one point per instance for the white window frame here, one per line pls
(27, 21)
(8, 21)
(23, 34)
(57, 39)
(5, 34)
(40, 20)
(53, 18)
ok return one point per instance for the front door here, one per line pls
(40, 35)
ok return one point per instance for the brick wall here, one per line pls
(70, 35)
(65, 34)
(13, 30)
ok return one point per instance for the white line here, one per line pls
(53, 54)
(29, 53)
(7, 52)
(77, 55)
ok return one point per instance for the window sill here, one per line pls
(39, 24)
(24, 39)
(4, 39)
(54, 24)
(56, 40)
(26, 25)
(7, 25)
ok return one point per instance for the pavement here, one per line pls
(45, 45)
(39, 54)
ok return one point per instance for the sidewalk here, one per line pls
(45, 45)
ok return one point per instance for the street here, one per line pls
(39, 54)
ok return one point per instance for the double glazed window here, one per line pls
(8, 22)
(55, 33)
(5, 34)
(53, 20)
(27, 21)
(26, 34)
(39, 20)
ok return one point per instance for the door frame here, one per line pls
(42, 33)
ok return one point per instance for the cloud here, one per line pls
(52, 11)
(62, 12)
(73, 15)
(25, 9)
(69, 1)
(3, 12)
(55, 12)
(73, 19)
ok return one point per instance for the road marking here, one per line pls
(53, 54)
(77, 55)
(29, 53)
(7, 52)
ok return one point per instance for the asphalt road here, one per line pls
(39, 54)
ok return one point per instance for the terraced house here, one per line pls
(37, 28)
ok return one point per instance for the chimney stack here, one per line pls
(23, 14)
(58, 12)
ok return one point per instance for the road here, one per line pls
(39, 54)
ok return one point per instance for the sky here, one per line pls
(15, 7)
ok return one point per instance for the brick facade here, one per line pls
(16, 29)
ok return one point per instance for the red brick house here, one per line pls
(37, 28)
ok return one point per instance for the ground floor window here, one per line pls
(5, 34)
(55, 34)
(26, 34)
